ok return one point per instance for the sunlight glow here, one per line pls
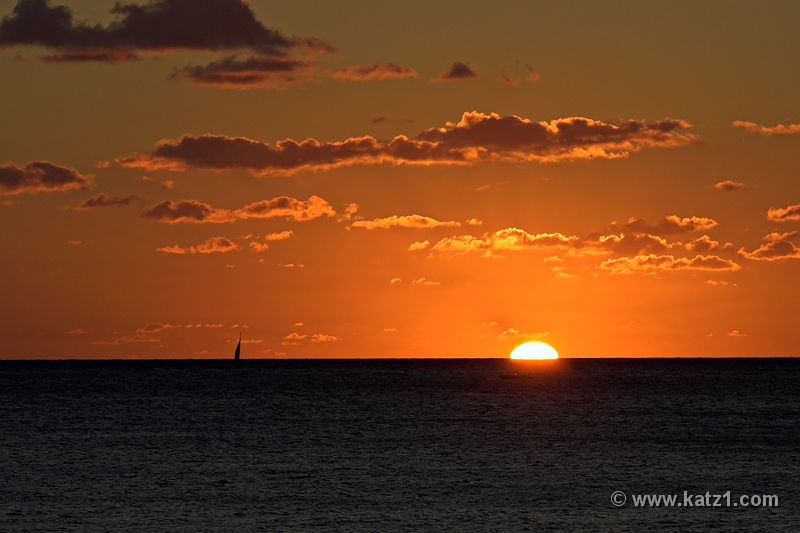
(534, 350)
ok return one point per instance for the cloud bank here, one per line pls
(476, 138)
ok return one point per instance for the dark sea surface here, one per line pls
(397, 445)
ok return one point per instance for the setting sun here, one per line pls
(534, 350)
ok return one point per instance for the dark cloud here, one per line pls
(167, 25)
(669, 225)
(40, 176)
(192, 211)
(782, 214)
(376, 71)
(457, 71)
(476, 138)
(185, 211)
(248, 72)
(101, 200)
(157, 26)
(776, 247)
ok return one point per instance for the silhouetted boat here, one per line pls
(238, 352)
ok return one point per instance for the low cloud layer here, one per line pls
(780, 129)
(192, 211)
(41, 176)
(476, 138)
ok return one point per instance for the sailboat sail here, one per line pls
(238, 348)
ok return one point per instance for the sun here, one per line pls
(534, 350)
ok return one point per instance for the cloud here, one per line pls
(41, 176)
(186, 211)
(777, 247)
(503, 240)
(780, 129)
(101, 200)
(138, 338)
(418, 246)
(158, 26)
(170, 25)
(457, 71)
(426, 282)
(532, 76)
(630, 243)
(736, 333)
(656, 263)
(476, 138)
(474, 222)
(706, 244)
(321, 337)
(212, 245)
(508, 80)
(376, 71)
(192, 211)
(729, 185)
(250, 72)
(636, 237)
(390, 330)
(155, 328)
(406, 221)
(280, 236)
(512, 333)
(668, 225)
(259, 247)
(295, 336)
(781, 214)
(396, 280)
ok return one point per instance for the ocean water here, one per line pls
(397, 445)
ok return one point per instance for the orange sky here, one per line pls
(431, 179)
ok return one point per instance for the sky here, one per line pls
(415, 179)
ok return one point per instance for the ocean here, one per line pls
(400, 445)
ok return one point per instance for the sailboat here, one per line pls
(238, 352)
